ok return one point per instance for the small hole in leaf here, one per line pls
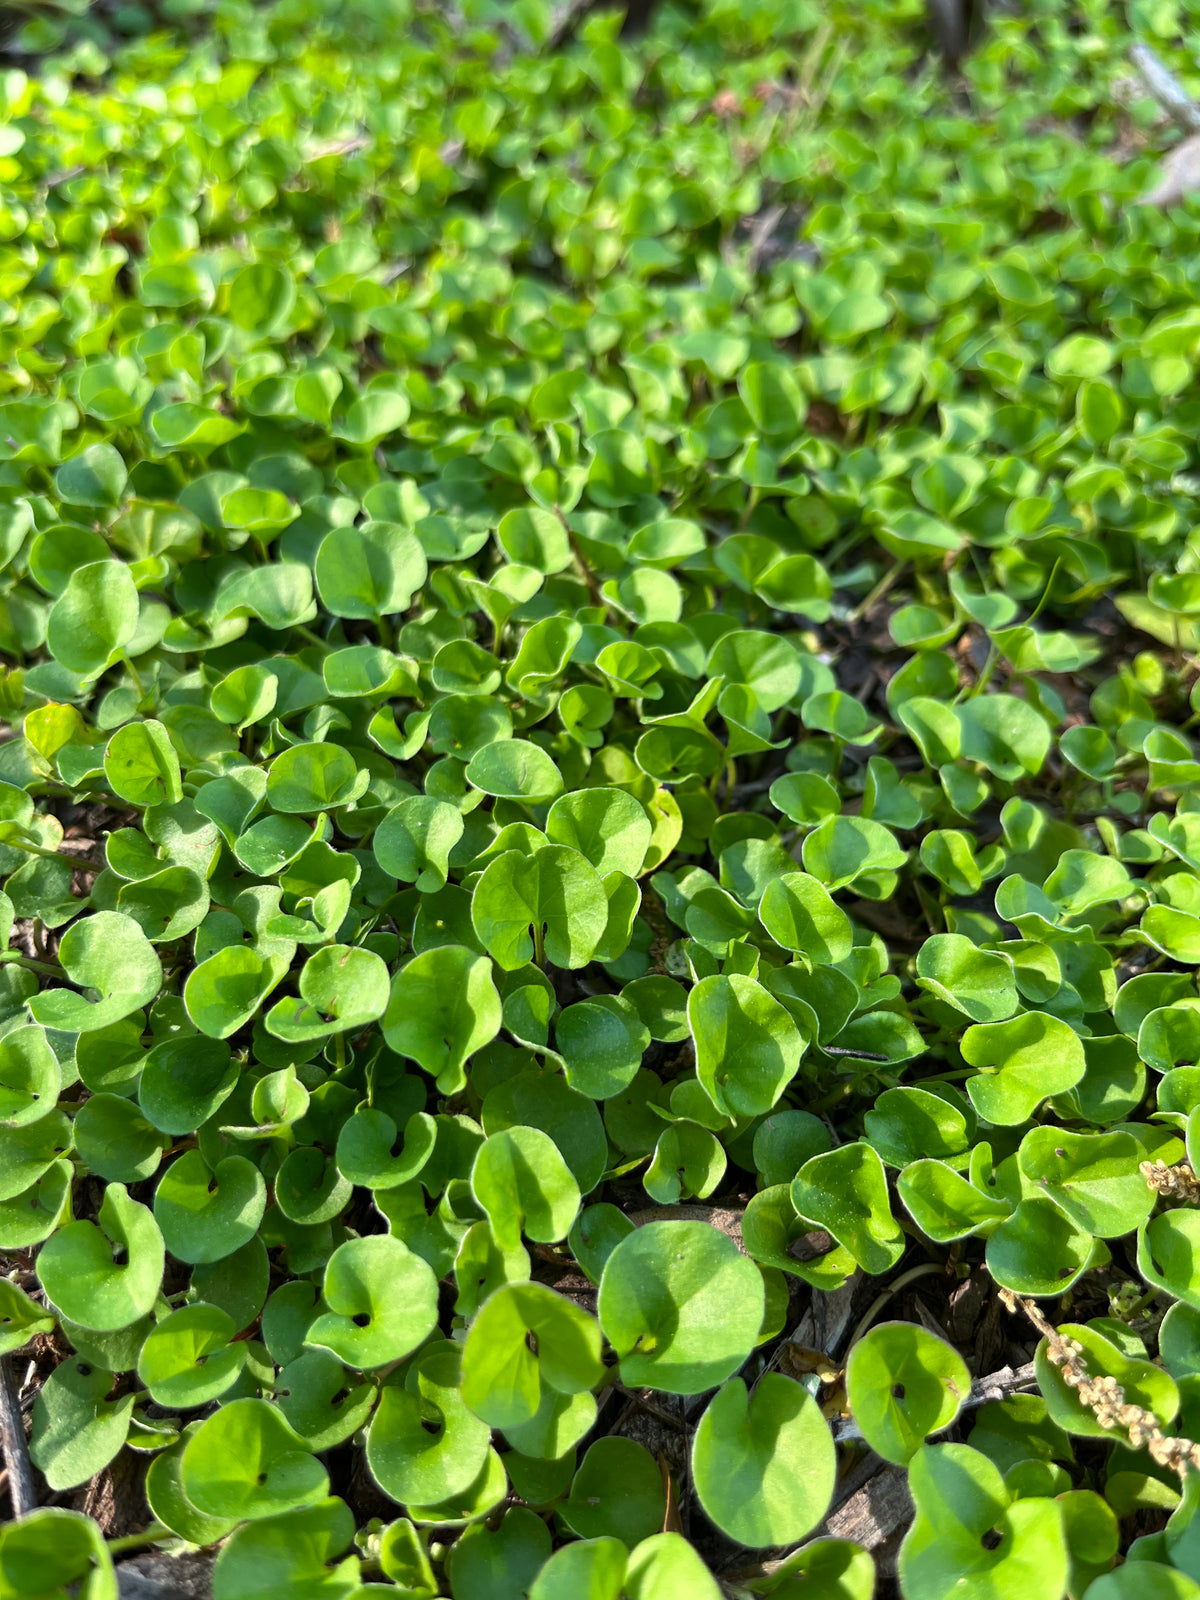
(897, 1391)
(531, 1342)
(1060, 1153)
(261, 1479)
(992, 1540)
(362, 1320)
(201, 1361)
(83, 1370)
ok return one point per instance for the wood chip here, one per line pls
(153, 1576)
(878, 1511)
(1179, 175)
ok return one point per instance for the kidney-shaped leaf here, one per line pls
(903, 1384)
(246, 1462)
(681, 1306)
(105, 1274)
(764, 1464)
(524, 1185)
(110, 954)
(1093, 1177)
(382, 1301)
(747, 1046)
(443, 1007)
(526, 1336)
(845, 1191)
(550, 905)
(1020, 1062)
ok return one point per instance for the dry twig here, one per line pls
(1166, 89)
(21, 1491)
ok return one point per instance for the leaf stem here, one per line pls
(891, 576)
(133, 673)
(30, 965)
(154, 1534)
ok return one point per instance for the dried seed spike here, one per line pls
(1103, 1396)
(1173, 1183)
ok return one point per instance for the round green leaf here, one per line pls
(524, 1186)
(680, 1305)
(903, 1384)
(764, 1464)
(1020, 1062)
(617, 1493)
(105, 1274)
(245, 1462)
(382, 1301)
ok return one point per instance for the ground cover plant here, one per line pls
(600, 825)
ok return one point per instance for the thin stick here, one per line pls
(564, 23)
(1166, 89)
(21, 1491)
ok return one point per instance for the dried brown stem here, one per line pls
(22, 1493)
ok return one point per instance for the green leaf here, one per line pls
(801, 916)
(903, 1384)
(979, 983)
(524, 1186)
(382, 1301)
(369, 571)
(968, 1530)
(443, 1007)
(1094, 1178)
(207, 1214)
(552, 901)
(617, 1493)
(313, 777)
(110, 955)
(419, 1465)
(526, 1339)
(764, 1464)
(1144, 1383)
(747, 1046)
(680, 1305)
(94, 618)
(414, 841)
(841, 849)
(30, 1077)
(105, 1274)
(187, 1359)
(76, 1431)
(1020, 1062)
(245, 1462)
(294, 1553)
(514, 769)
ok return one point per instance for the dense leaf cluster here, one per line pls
(590, 630)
